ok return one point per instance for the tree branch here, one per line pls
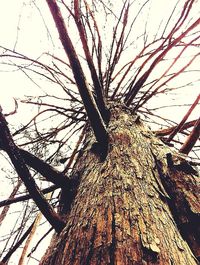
(167, 131)
(134, 88)
(12, 150)
(46, 170)
(93, 113)
(25, 197)
(96, 82)
(11, 197)
(192, 138)
(178, 128)
(17, 245)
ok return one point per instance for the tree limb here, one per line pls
(17, 245)
(25, 197)
(46, 170)
(167, 131)
(96, 82)
(191, 140)
(93, 113)
(51, 174)
(134, 88)
(11, 197)
(12, 150)
(178, 128)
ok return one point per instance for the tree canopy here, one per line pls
(73, 60)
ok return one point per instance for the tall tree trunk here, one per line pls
(126, 209)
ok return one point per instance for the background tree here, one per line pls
(119, 191)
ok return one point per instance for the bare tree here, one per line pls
(128, 189)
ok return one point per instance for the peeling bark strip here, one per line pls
(121, 213)
(13, 152)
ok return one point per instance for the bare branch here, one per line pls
(14, 111)
(96, 82)
(93, 113)
(17, 245)
(46, 170)
(192, 138)
(23, 172)
(113, 61)
(11, 197)
(75, 151)
(147, 96)
(137, 86)
(179, 127)
(25, 197)
(167, 131)
(98, 46)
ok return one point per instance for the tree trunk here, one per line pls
(126, 209)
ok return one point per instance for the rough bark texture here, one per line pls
(125, 208)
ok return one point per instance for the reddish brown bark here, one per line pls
(125, 208)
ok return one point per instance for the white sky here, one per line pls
(33, 39)
(24, 24)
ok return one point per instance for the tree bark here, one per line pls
(125, 208)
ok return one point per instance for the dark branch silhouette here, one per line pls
(98, 88)
(17, 245)
(191, 139)
(93, 113)
(179, 127)
(26, 197)
(23, 172)
(46, 170)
